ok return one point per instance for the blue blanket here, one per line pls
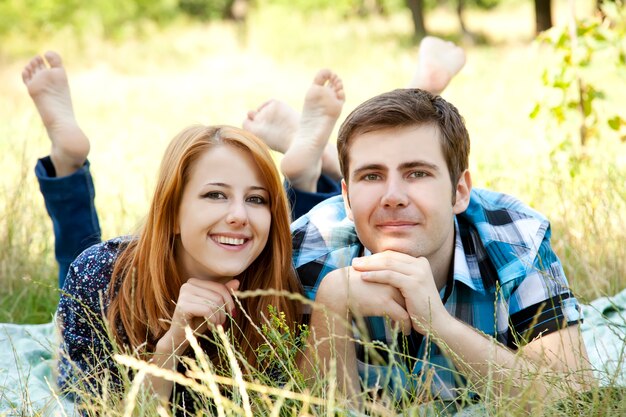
(27, 358)
(27, 367)
(604, 333)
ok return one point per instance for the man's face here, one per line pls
(399, 193)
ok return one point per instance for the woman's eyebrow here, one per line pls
(224, 185)
(258, 187)
(218, 184)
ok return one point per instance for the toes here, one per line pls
(337, 85)
(322, 76)
(39, 64)
(53, 59)
(26, 75)
(341, 95)
(264, 105)
(32, 67)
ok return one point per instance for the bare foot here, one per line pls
(302, 163)
(50, 91)
(438, 62)
(275, 122)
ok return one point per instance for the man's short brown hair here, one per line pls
(403, 108)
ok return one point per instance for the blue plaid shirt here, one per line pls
(506, 282)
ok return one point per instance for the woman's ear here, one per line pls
(462, 193)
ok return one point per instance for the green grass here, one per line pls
(132, 96)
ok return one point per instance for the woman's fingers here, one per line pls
(205, 289)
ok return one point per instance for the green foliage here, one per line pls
(482, 4)
(110, 17)
(585, 138)
(578, 48)
(340, 7)
(205, 9)
(282, 343)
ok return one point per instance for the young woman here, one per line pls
(218, 223)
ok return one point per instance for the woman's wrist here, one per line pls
(168, 344)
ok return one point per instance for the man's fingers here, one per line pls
(388, 260)
(383, 277)
(399, 315)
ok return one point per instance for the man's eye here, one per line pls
(371, 177)
(215, 195)
(418, 174)
(257, 200)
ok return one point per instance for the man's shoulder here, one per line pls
(500, 229)
(325, 227)
(501, 217)
(324, 239)
(329, 212)
(487, 202)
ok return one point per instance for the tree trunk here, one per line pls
(468, 37)
(543, 15)
(417, 12)
(236, 10)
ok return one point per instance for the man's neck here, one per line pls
(442, 263)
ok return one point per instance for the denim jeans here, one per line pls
(70, 204)
(302, 201)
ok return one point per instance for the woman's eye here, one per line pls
(256, 200)
(214, 195)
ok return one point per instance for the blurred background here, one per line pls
(543, 94)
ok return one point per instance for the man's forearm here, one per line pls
(481, 358)
(330, 343)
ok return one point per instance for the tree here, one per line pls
(468, 36)
(543, 15)
(417, 12)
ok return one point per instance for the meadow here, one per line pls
(131, 95)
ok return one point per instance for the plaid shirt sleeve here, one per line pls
(542, 303)
(531, 280)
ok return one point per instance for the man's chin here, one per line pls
(406, 248)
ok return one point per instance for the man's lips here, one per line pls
(396, 224)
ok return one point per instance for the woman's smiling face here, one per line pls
(224, 216)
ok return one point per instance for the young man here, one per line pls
(410, 241)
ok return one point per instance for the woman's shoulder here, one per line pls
(91, 271)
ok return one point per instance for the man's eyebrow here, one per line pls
(369, 167)
(419, 164)
(404, 166)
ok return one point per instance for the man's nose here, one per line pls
(395, 193)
